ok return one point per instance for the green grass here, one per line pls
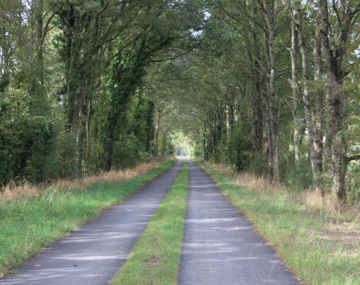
(29, 224)
(155, 258)
(297, 233)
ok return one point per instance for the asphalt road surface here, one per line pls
(92, 255)
(220, 245)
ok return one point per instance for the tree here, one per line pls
(335, 52)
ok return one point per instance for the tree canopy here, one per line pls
(266, 86)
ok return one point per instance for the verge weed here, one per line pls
(14, 190)
(28, 224)
(321, 247)
(155, 258)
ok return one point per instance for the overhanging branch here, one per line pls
(353, 157)
(172, 58)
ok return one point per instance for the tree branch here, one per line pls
(352, 157)
(337, 13)
(239, 21)
(172, 58)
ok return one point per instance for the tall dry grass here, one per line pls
(309, 197)
(16, 191)
(340, 226)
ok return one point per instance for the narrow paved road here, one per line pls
(220, 245)
(93, 254)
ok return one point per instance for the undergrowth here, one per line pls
(14, 190)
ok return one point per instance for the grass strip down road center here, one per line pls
(155, 258)
(29, 224)
(295, 231)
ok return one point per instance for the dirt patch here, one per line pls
(345, 233)
(152, 260)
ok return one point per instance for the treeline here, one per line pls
(267, 86)
(73, 99)
(273, 88)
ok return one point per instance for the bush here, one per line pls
(258, 164)
(353, 176)
(240, 148)
(64, 160)
(26, 145)
(39, 137)
(298, 176)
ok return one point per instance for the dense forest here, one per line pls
(266, 86)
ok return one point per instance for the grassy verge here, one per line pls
(156, 256)
(29, 224)
(300, 234)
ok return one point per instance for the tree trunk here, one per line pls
(308, 110)
(157, 131)
(269, 16)
(256, 98)
(318, 112)
(38, 104)
(334, 55)
(268, 136)
(109, 150)
(230, 113)
(257, 127)
(295, 94)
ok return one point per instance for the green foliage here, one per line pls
(297, 176)
(125, 152)
(73, 98)
(167, 147)
(240, 148)
(26, 146)
(39, 138)
(234, 151)
(354, 183)
(197, 152)
(63, 166)
(135, 142)
(7, 165)
(4, 82)
(113, 81)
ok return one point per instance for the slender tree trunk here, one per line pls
(256, 98)
(295, 94)
(157, 131)
(257, 126)
(230, 113)
(39, 104)
(318, 112)
(268, 136)
(308, 110)
(206, 156)
(109, 142)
